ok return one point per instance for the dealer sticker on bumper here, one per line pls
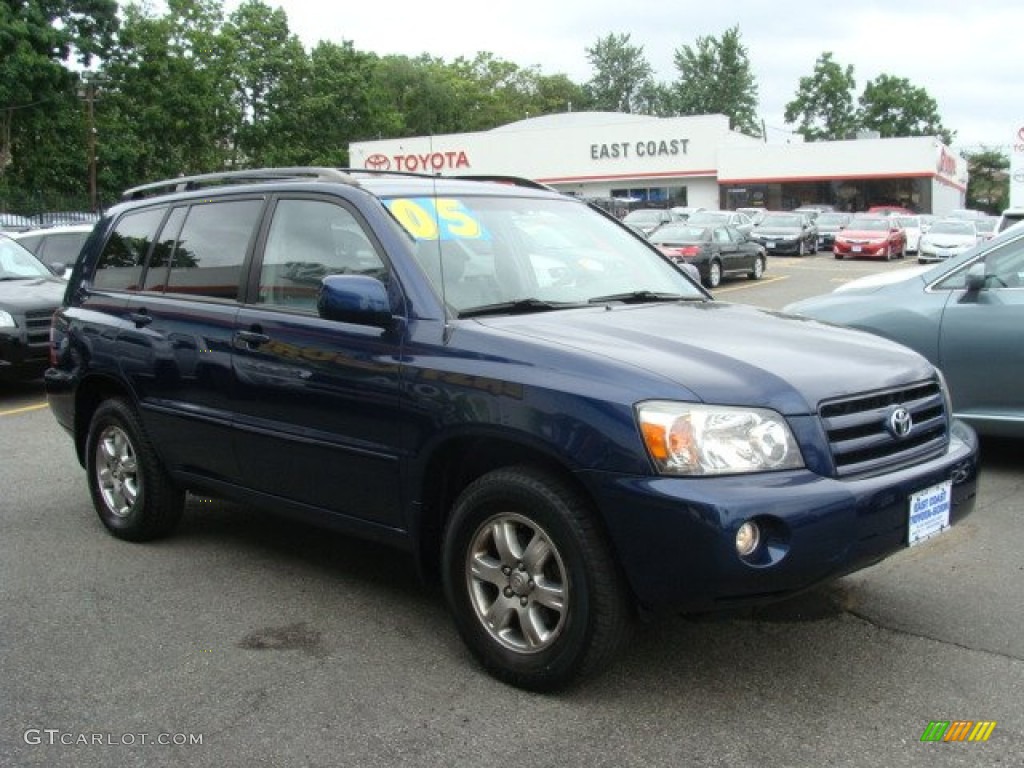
(929, 512)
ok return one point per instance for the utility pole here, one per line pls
(89, 94)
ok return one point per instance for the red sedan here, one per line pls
(872, 237)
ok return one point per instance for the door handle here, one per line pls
(141, 318)
(251, 339)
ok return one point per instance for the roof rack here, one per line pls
(516, 181)
(186, 183)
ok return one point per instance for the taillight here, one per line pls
(689, 250)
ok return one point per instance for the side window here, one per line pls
(163, 250)
(120, 265)
(308, 240)
(208, 257)
(721, 236)
(1005, 266)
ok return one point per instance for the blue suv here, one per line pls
(558, 424)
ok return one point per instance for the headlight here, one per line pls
(7, 320)
(692, 439)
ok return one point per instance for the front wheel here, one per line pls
(758, 271)
(530, 580)
(131, 491)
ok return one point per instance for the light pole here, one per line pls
(88, 93)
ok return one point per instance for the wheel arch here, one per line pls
(91, 392)
(456, 463)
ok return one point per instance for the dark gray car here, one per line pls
(965, 315)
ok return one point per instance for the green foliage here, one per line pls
(823, 106)
(621, 75)
(176, 88)
(715, 77)
(894, 107)
(988, 186)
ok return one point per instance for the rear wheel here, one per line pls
(131, 491)
(530, 580)
(714, 274)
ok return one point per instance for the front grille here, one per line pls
(859, 435)
(37, 326)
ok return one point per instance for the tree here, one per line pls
(168, 97)
(715, 78)
(621, 74)
(37, 39)
(894, 107)
(261, 52)
(988, 186)
(823, 107)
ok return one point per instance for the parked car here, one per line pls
(683, 212)
(871, 237)
(1010, 217)
(889, 210)
(559, 445)
(29, 295)
(58, 246)
(947, 238)
(964, 315)
(986, 227)
(716, 251)
(829, 223)
(814, 210)
(782, 232)
(754, 213)
(649, 219)
(734, 219)
(913, 227)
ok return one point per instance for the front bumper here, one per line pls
(675, 536)
(20, 359)
(862, 250)
(780, 246)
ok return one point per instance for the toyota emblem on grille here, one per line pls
(900, 422)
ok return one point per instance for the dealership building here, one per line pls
(638, 161)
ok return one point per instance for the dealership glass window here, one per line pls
(212, 247)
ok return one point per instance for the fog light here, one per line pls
(747, 538)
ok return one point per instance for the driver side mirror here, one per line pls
(975, 280)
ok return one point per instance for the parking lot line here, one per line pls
(26, 409)
(751, 284)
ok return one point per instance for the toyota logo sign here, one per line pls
(378, 162)
(900, 422)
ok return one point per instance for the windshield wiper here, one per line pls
(520, 306)
(642, 297)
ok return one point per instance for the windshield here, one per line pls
(832, 219)
(706, 218)
(16, 263)
(869, 225)
(644, 217)
(785, 222)
(953, 228)
(484, 251)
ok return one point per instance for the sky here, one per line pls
(968, 56)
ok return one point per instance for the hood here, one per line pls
(871, 283)
(721, 353)
(776, 231)
(33, 294)
(864, 234)
(941, 239)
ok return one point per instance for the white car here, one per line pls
(912, 225)
(56, 245)
(734, 219)
(946, 238)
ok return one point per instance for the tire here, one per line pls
(758, 271)
(714, 274)
(131, 491)
(837, 255)
(530, 581)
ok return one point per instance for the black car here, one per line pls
(828, 224)
(714, 251)
(503, 382)
(29, 295)
(786, 233)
